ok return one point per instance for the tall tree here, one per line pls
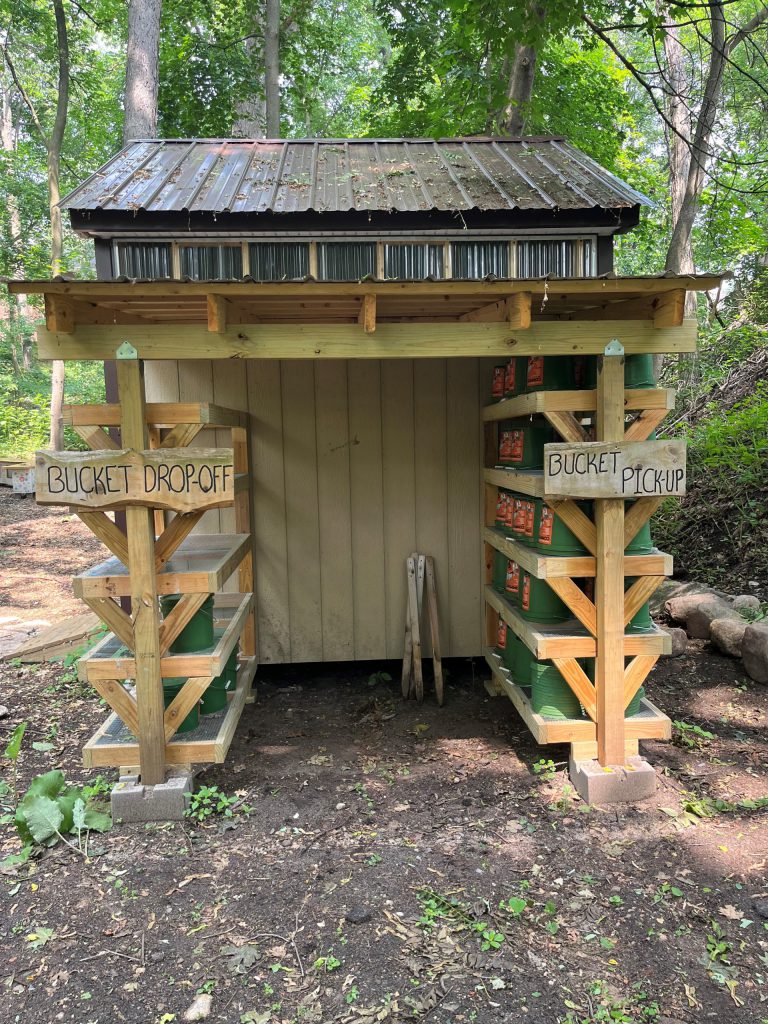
(258, 112)
(141, 69)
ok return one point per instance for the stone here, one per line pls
(700, 618)
(688, 597)
(760, 905)
(727, 635)
(628, 783)
(200, 1007)
(358, 915)
(746, 603)
(167, 801)
(754, 651)
(4, 712)
(679, 640)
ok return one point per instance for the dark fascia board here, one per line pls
(107, 222)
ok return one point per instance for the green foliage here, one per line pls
(209, 801)
(13, 747)
(691, 736)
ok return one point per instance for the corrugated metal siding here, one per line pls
(279, 261)
(144, 260)
(241, 176)
(211, 262)
(346, 261)
(472, 260)
(354, 465)
(413, 262)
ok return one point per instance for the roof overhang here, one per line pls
(366, 319)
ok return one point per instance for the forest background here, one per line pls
(673, 97)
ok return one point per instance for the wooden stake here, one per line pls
(418, 595)
(406, 675)
(244, 524)
(609, 581)
(141, 563)
(434, 629)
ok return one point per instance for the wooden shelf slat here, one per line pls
(101, 662)
(182, 748)
(200, 565)
(159, 414)
(542, 566)
(569, 639)
(524, 481)
(635, 400)
(651, 723)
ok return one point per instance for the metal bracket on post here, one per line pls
(614, 348)
(126, 351)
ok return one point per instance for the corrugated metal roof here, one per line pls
(339, 175)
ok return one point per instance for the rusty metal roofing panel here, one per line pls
(337, 175)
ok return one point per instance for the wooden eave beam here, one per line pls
(514, 311)
(59, 313)
(218, 309)
(367, 315)
(670, 309)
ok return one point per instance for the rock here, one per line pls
(701, 617)
(754, 651)
(727, 634)
(679, 640)
(200, 1008)
(664, 593)
(761, 907)
(358, 915)
(687, 598)
(4, 712)
(746, 603)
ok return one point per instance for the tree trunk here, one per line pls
(18, 308)
(251, 113)
(678, 135)
(141, 69)
(272, 68)
(519, 90)
(57, 238)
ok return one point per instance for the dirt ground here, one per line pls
(388, 861)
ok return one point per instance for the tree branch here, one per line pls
(25, 96)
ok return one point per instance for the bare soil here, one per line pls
(371, 838)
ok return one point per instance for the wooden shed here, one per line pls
(339, 306)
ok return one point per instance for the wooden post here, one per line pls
(141, 564)
(244, 524)
(609, 582)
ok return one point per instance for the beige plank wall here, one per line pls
(355, 464)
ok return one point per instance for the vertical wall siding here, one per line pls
(355, 464)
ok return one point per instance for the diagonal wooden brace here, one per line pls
(180, 616)
(644, 424)
(183, 702)
(102, 527)
(636, 516)
(577, 601)
(172, 536)
(567, 426)
(181, 435)
(577, 679)
(120, 700)
(97, 439)
(113, 615)
(638, 594)
(578, 523)
(636, 673)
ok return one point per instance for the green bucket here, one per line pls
(512, 582)
(499, 574)
(641, 621)
(539, 602)
(585, 373)
(638, 372)
(502, 648)
(171, 687)
(520, 663)
(553, 373)
(551, 696)
(215, 697)
(521, 443)
(198, 633)
(641, 543)
(514, 382)
(633, 708)
(550, 534)
(497, 382)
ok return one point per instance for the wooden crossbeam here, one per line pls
(641, 428)
(515, 311)
(669, 309)
(638, 594)
(60, 313)
(181, 435)
(102, 527)
(183, 702)
(367, 315)
(576, 600)
(175, 532)
(576, 521)
(179, 617)
(579, 682)
(567, 426)
(636, 516)
(636, 673)
(113, 615)
(98, 440)
(120, 700)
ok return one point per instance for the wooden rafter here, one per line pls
(669, 309)
(60, 313)
(367, 315)
(217, 309)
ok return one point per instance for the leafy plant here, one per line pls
(492, 939)
(375, 678)
(327, 963)
(209, 801)
(691, 736)
(545, 767)
(515, 905)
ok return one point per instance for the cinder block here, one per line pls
(628, 783)
(167, 801)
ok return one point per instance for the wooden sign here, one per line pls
(181, 480)
(597, 469)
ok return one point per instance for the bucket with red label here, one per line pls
(512, 582)
(521, 443)
(550, 534)
(550, 373)
(497, 382)
(539, 602)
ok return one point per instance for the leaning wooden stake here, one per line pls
(609, 582)
(434, 629)
(141, 564)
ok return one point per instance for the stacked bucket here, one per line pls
(199, 637)
(530, 521)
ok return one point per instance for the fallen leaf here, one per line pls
(730, 912)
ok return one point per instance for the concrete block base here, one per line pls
(167, 801)
(635, 780)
